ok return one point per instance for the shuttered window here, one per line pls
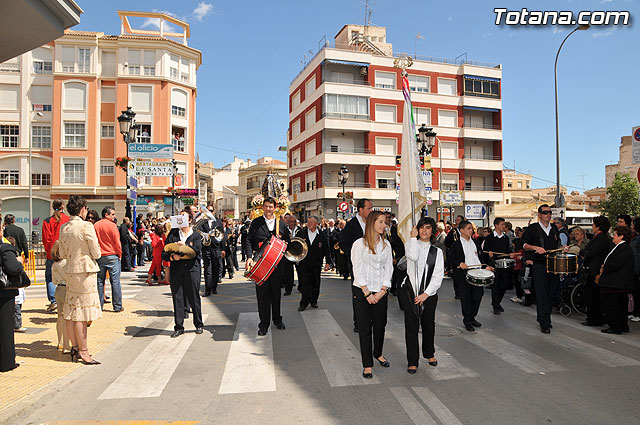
(447, 86)
(75, 96)
(9, 95)
(447, 118)
(141, 98)
(385, 113)
(385, 80)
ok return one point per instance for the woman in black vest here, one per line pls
(418, 293)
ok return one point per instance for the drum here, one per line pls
(480, 277)
(561, 263)
(505, 263)
(266, 260)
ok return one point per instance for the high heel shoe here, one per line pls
(433, 362)
(367, 375)
(92, 362)
(383, 363)
(74, 354)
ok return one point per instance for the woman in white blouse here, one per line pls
(418, 293)
(372, 269)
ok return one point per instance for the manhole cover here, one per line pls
(447, 331)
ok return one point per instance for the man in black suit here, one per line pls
(310, 268)
(497, 243)
(398, 252)
(333, 234)
(15, 232)
(539, 238)
(594, 255)
(353, 231)
(453, 236)
(268, 294)
(227, 247)
(292, 229)
(212, 255)
(245, 246)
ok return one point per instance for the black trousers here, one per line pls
(470, 297)
(234, 257)
(636, 296)
(456, 285)
(212, 269)
(412, 325)
(515, 276)
(7, 344)
(268, 295)
(125, 261)
(499, 287)
(546, 285)
(288, 276)
(372, 319)
(309, 278)
(594, 301)
(185, 292)
(615, 309)
(228, 264)
(353, 300)
(246, 251)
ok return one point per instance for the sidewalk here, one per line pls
(42, 364)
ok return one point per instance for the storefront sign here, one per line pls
(451, 198)
(168, 200)
(187, 193)
(144, 200)
(150, 151)
(150, 169)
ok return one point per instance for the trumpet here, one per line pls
(216, 233)
(337, 247)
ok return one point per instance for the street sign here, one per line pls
(635, 145)
(132, 195)
(425, 162)
(398, 161)
(133, 182)
(451, 198)
(427, 179)
(150, 151)
(343, 206)
(559, 212)
(150, 168)
(383, 209)
(475, 212)
(559, 200)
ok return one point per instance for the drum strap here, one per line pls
(277, 227)
(431, 262)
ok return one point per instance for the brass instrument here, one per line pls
(297, 250)
(216, 233)
(337, 247)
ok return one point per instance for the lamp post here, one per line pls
(128, 129)
(39, 114)
(426, 140)
(174, 168)
(559, 200)
(343, 176)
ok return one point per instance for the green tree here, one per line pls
(622, 198)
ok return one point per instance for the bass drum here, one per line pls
(266, 260)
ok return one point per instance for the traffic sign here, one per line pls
(133, 182)
(475, 211)
(343, 206)
(150, 151)
(132, 195)
(635, 145)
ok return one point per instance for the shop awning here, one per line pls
(476, 108)
(476, 77)
(337, 62)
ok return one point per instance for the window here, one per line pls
(449, 150)
(509, 183)
(107, 131)
(84, 60)
(178, 111)
(447, 86)
(310, 119)
(447, 118)
(343, 106)
(385, 80)
(386, 179)
(9, 97)
(41, 67)
(418, 83)
(73, 170)
(107, 168)
(310, 150)
(474, 183)
(68, 59)
(134, 62)
(295, 158)
(108, 94)
(178, 103)
(9, 177)
(310, 180)
(73, 136)
(75, 96)
(528, 185)
(295, 129)
(385, 146)
(173, 66)
(295, 100)
(310, 87)
(295, 186)
(149, 62)
(11, 65)
(144, 135)
(184, 77)
(422, 116)
(473, 87)
(41, 98)
(140, 98)
(449, 181)
(519, 185)
(184, 70)
(40, 179)
(178, 141)
(41, 107)
(41, 136)
(385, 113)
(182, 172)
(173, 73)
(108, 63)
(9, 135)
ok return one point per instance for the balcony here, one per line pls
(482, 125)
(341, 81)
(343, 149)
(348, 186)
(343, 115)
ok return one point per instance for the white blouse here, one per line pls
(371, 270)
(417, 252)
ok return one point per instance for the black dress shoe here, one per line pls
(545, 330)
(280, 326)
(199, 330)
(496, 312)
(262, 332)
(287, 293)
(587, 323)
(470, 328)
(301, 308)
(367, 375)
(206, 294)
(314, 305)
(433, 363)
(611, 331)
(177, 333)
(355, 329)
(383, 363)
(412, 371)
(476, 323)
(214, 291)
(501, 309)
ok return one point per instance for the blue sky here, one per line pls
(253, 49)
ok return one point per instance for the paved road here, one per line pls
(505, 373)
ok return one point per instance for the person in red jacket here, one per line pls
(157, 243)
(50, 234)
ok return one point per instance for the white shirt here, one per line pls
(417, 252)
(271, 224)
(312, 235)
(362, 222)
(372, 270)
(331, 229)
(498, 235)
(613, 249)
(185, 236)
(470, 252)
(546, 229)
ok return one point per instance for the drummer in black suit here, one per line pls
(498, 243)
(268, 294)
(464, 253)
(310, 267)
(212, 255)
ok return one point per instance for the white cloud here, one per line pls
(556, 30)
(605, 33)
(155, 22)
(450, 18)
(606, 1)
(203, 9)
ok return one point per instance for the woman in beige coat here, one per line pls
(79, 246)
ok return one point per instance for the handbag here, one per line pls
(8, 282)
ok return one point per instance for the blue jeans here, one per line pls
(111, 263)
(48, 277)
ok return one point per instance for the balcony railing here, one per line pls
(481, 157)
(485, 126)
(349, 185)
(345, 116)
(336, 80)
(341, 149)
(483, 188)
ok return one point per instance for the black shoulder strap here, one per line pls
(431, 262)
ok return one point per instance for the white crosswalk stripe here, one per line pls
(412, 406)
(436, 406)
(128, 292)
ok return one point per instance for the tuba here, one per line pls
(297, 250)
(216, 233)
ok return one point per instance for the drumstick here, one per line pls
(473, 265)
(553, 250)
(496, 253)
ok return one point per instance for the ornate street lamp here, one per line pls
(427, 139)
(128, 129)
(343, 176)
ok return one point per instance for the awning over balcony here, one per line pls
(337, 62)
(476, 108)
(476, 77)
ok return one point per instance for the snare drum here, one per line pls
(505, 263)
(561, 263)
(480, 277)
